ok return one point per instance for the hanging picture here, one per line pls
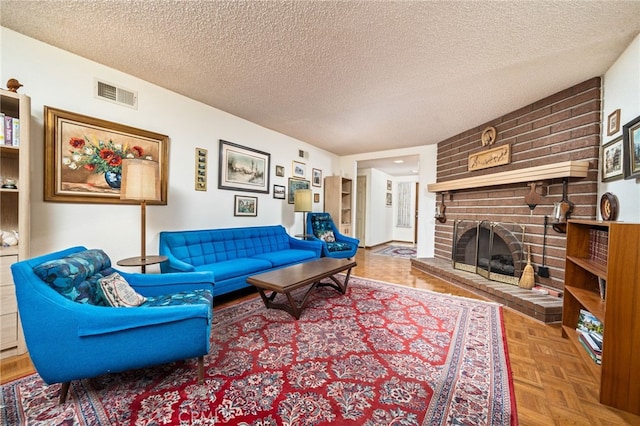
(317, 177)
(279, 192)
(299, 169)
(294, 185)
(83, 157)
(612, 160)
(245, 206)
(631, 133)
(201, 169)
(243, 169)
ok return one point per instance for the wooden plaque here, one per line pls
(493, 157)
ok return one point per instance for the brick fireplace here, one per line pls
(564, 127)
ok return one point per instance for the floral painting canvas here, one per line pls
(83, 157)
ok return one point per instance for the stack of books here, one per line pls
(598, 245)
(9, 130)
(590, 331)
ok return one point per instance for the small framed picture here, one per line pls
(280, 171)
(631, 134)
(294, 185)
(316, 197)
(389, 198)
(316, 179)
(299, 169)
(612, 160)
(245, 206)
(613, 122)
(388, 185)
(279, 192)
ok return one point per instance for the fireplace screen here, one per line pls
(491, 249)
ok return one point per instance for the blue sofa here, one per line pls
(233, 254)
(72, 331)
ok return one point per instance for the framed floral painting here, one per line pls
(83, 157)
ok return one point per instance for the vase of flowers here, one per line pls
(101, 157)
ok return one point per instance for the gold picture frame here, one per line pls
(613, 122)
(83, 157)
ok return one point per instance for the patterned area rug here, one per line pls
(396, 251)
(382, 354)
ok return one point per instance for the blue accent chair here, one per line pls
(71, 333)
(334, 244)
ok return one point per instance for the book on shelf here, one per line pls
(2, 128)
(598, 245)
(8, 130)
(595, 356)
(602, 286)
(15, 141)
(589, 323)
(593, 340)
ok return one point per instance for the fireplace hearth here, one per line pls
(491, 249)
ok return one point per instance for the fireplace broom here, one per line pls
(528, 279)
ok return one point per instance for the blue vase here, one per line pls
(113, 179)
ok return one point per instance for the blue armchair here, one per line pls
(334, 244)
(72, 332)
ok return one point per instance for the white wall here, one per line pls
(621, 89)
(426, 200)
(62, 80)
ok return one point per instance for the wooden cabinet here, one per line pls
(608, 251)
(14, 217)
(337, 201)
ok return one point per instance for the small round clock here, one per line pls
(609, 206)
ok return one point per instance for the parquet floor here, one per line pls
(552, 384)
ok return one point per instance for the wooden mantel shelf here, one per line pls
(547, 171)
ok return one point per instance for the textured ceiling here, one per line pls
(350, 76)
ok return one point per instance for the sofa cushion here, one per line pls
(118, 293)
(235, 268)
(76, 276)
(286, 257)
(184, 298)
(338, 246)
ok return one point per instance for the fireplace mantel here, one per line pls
(547, 171)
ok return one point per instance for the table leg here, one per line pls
(341, 287)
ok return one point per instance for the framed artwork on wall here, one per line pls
(243, 169)
(280, 171)
(245, 206)
(201, 169)
(83, 157)
(316, 179)
(612, 160)
(299, 170)
(613, 122)
(316, 197)
(294, 185)
(279, 192)
(631, 134)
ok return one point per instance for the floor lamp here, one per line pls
(302, 203)
(141, 182)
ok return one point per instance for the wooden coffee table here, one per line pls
(285, 280)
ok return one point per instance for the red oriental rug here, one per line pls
(382, 354)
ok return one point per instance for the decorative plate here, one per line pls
(609, 206)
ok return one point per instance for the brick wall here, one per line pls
(562, 127)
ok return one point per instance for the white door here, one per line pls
(361, 209)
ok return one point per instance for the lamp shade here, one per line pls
(140, 180)
(302, 200)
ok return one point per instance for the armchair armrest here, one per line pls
(158, 284)
(112, 320)
(347, 239)
(314, 245)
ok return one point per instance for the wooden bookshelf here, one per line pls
(619, 373)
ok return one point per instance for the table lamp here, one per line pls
(302, 202)
(141, 182)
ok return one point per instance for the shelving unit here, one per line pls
(14, 216)
(619, 312)
(337, 201)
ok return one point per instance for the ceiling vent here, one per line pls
(117, 95)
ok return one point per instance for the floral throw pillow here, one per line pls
(327, 236)
(118, 293)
